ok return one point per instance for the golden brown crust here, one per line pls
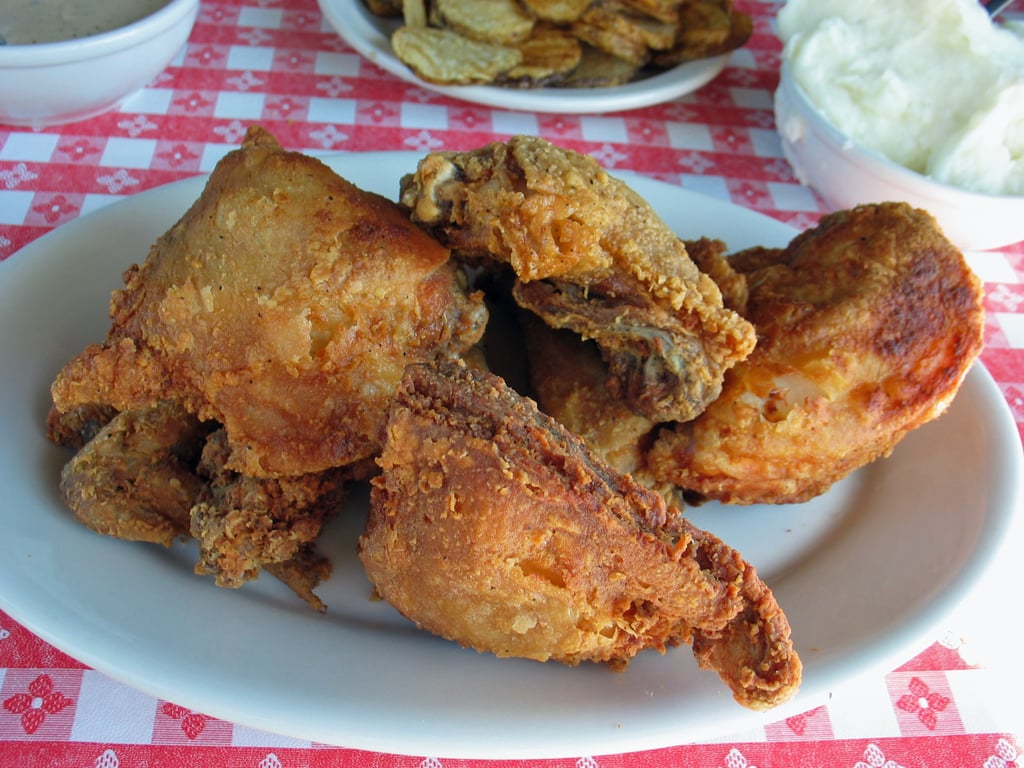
(495, 527)
(134, 479)
(277, 314)
(867, 325)
(283, 305)
(590, 255)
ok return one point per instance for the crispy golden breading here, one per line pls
(135, 479)
(77, 426)
(283, 305)
(590, 255)
(567, 378)
(140, 478)
(495, 527)
(266, 330)
(244, 524)
(867, 325)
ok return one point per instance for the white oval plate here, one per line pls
(370, 36)
(865, 573)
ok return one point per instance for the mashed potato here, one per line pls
(932, 84)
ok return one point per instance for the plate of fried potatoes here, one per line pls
(552, 56)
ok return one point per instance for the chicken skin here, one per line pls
(591, 256)
(267, 330)
(867, 325)
(283, 305)
(493, 526)
(152, 475)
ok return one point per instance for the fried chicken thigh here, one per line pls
(495, 527)
(867, 325)
(283, 305)
(274, 320)
(592, 256)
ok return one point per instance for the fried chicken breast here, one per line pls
(283, 305)
(867, 325)
(493, 526)
(592, 256)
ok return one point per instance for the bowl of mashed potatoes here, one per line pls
(61, 61)
(919, 101)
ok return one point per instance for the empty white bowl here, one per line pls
(45, 84)
(846, 173)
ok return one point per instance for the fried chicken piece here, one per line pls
(867, 325)
(77, 426)
(590, 255)
(244, 524)
(135, 478)
(495, 527)
(567, 378)
(302, 574)
(283, 305)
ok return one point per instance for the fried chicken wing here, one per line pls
(592, 256)
(495, 527)
(135, 478)
(151, 475)
(867, 325)
(283, 305)
(244, 524)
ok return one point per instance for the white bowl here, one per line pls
(846, 173)
(45, 84)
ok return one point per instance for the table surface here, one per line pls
(280, 64)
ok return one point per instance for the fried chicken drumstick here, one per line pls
(592, 256)
(493, 526)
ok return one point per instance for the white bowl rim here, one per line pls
(29, 55)
(842, 141)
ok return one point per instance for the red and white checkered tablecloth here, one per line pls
(278, 63)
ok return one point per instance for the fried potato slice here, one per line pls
(503, 22)
(605, 28)
(414, 13)
(657, 34)
(598, 69)
(443, 57)
(549, 55)
(558, 11)
(706, 30)
(666, 10)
